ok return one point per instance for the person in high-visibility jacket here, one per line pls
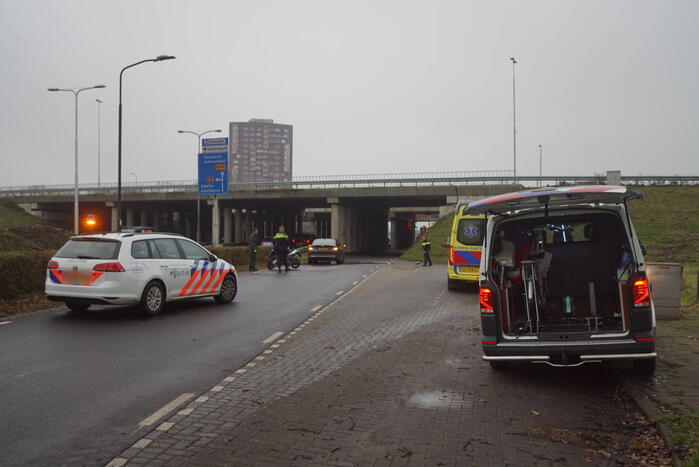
(426, 250)
(281, 248)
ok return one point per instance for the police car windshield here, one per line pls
(93, 248)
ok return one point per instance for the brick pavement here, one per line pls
(397, 378)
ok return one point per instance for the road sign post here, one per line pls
(213, 177)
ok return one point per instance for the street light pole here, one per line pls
(540, 165)
(99, 138)
(198, 135)
(159, 58)
(76, 207)
(514, 120)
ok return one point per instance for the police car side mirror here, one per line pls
(212, 258)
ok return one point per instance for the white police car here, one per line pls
(131, 268)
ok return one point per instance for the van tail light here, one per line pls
(641, 292)
(451, 255)
(487, 300)
(52, 265)
(109, 267)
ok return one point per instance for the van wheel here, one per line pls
(153, 298)
(78, 308)
(644, 367)
(229, 289)
(452, 284)
(498, 365)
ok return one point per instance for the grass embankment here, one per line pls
(20, 231)
(437, 234)
(667, 223)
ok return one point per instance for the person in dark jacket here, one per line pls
(426, 250)
(281, 248)
(253, 243)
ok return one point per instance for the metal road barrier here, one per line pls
(349, 181)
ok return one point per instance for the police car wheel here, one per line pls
(77, 307)
(229, 289)
(153, 298)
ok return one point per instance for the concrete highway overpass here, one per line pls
(357, 216)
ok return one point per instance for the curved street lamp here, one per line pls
(76, 213)
(159, 58)
(198, 135)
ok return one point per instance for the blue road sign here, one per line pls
(213, 173)
(214, 142)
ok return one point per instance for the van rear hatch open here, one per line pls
(554, 197)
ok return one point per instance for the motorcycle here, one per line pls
(292, 259)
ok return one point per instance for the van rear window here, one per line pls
(470, 231)
(89, 248)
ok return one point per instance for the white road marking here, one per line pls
(242, 370)
(166, 409)
(268, 351)
(340, 292)
(316, 308)
(364, 275)
(165, 426)
(185, 411)
(228, 379)
(142, 443)
(201, 399)
(217, 389)
(355, 282)
(117, 462)
(5, 322)
(273, 337)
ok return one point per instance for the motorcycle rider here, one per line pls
(253, 243)
(281, 248)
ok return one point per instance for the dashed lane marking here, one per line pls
(355, 282)
(316, 308)
(273, 337)
(142, 443)
(167, 409)
(165, 426)
(340, 292)
(5, 322)
(117, 462)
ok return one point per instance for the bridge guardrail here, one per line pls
(338, 181)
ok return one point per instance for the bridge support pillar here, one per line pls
(129, 217)
(247, 224)
(115, 215)
(143, 217)
(238, 226)
(187, 227)
(394, 233)
(228, 225)
(156, 220)
(215, 223)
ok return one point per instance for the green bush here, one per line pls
(23, 272)
(239, 256)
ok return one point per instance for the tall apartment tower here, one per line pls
(260, 150)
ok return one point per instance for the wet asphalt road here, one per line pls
(75, 387)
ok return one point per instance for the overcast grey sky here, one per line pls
(369, 86)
